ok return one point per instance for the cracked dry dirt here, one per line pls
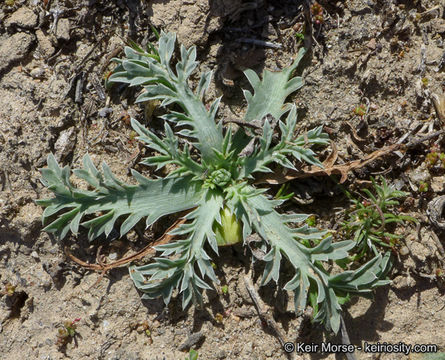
(388, 55)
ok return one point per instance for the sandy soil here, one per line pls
(387, 54)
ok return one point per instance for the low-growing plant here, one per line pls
(211, 175)
(434, 158)
(317, 13)
(9, 290)
(67, 333)
(192, 355)
(225, 289)
(367, 222)
(360, 110)
(423, 187)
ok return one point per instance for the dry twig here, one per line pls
(277, 177)
(327, 170)
(104, 268)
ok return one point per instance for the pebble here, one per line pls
(420, 174)
(37, 73)
(65, 143)
(404, 251)
(419, 251)
(105, 324)
(14, 48)
(193, 339)
(221, 355)
(371, 44)
(437, 184)
(23, 18)
(103, 112)
(45, 48)
(242, 291)
(403, 282)
(63, 30)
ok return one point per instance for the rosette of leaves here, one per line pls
(215, 181)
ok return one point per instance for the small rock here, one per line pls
(14, 48)
(65, 143)
(242, 291)
(37, 73)
(371, 44)
(438, 26)
(25, 250)
(435, 212)
(193, 339)
(437, 184)
(23, 18)
(45, 48)
(105, 325)
(55, 272)
(269, 352)
(103, 112)
(221, 355)
(420, 174)
(248, 348)
(404, 251)
(244, 312)
(63, 30)
(419, 251)
(34, 255)
(403, 282)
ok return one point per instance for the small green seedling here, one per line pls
(431, 159)
(193, 355)
(423, 187)
(370, 217)
(67, 333)
(142, 327)
(283, 193)
(434, 158)
(311, 221)
(299, 36)
(9, 289)
(219, 318)
(360, 110)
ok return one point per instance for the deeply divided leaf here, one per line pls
(210, 172)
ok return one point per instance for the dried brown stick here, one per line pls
(308, 37)
(343, 169)
(439, 106)
(422, 139)
(328, 169)
(104, 268)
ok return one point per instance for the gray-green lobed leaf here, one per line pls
(206, 175)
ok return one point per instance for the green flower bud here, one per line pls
(220, 177)
(230, 230)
